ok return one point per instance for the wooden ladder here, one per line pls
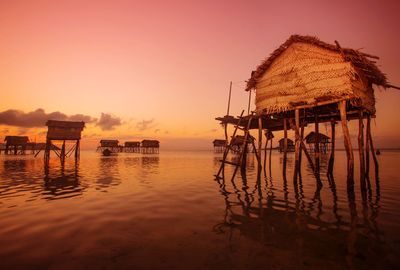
(242, 149)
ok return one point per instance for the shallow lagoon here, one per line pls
(135, 211)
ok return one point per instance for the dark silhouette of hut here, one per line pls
(132, 147)
(63, 131)
(111, 145)
(16, 144)
(219, 145)
(150, 146)
(290, 145)
(323, 140)
(307, 81)
(238, 141)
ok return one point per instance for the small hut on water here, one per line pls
(63, 131)
(150, 146)
(132, 147)
(289, 148)
(219, 145)
(16, 144)
(306, 81)
(324, 141)
(111, 145)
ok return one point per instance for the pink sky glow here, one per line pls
(161, 69)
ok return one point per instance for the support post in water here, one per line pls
(348, 146)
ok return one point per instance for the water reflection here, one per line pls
(62, 182)
(310, 229)
(108, 174)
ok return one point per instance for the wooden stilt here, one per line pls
(297, 147)
(371, 144)
(265, 152)
(301, 139)
(367, 143)
(77, 150)
(348, 146)
(332, 155)
(361, 149)
(62, 155)
(284, 146)
(260, 127)
(270, 156)
(316, 143)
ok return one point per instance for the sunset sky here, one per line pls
(161, 69)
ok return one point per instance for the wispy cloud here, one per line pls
(108, 121)
(145, 124)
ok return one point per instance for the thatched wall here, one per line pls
(305, 74)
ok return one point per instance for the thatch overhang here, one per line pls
(132, 144)
(109, 143)
(218, 142)
(306, 80)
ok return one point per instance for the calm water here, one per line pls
(166, 211)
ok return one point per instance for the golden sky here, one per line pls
(161, 69)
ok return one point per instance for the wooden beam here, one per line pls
(316, 143)
(361, 150)
(332, 155)
(297, 147)
(284, 146)
(371, 143)
(348, 146)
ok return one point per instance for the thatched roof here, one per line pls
(65, 124)
(311, 137)
(358, 59)
(132, 144)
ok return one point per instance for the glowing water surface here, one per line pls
(134, 211)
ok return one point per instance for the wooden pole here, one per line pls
(367, 143)
(77, 150)
(361, 149)
(297, 147)
(316, 143)
(372, 147)
(265, 153)
(348, 146)
(301, 139)
(248, 106)
(62, 155)
(260, 126)
(332, 156)
(229, 99)
(284, 146)
(270, 156)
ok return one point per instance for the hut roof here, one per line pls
(310, 138)
(150, 143)
(357, 58)
(132, 143)
(109, 141)
(219, 142)
(16, 139)
(65, 124)
(289, 141)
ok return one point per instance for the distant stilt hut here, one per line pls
(290, 145)
(63, 131)
(307, 81)
(111, 145)
(324, 141)
(237, 143)
(150, 146)
(132, 147)
(219, 145)
(2, 147)
(16, 145)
